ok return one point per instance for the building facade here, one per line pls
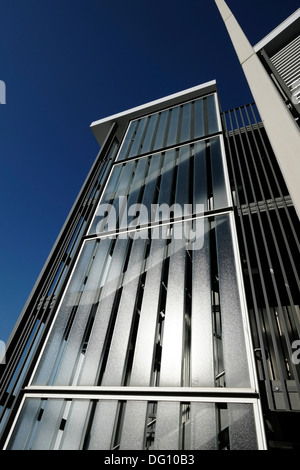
(268, 233)
(167, 314)
(148, 343)
(279, 52)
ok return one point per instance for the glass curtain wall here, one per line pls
(154, 305)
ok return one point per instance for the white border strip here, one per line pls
(100, 390)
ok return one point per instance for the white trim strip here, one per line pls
(140, 391)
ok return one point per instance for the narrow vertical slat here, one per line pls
(73, 351)
(134, 425)
(149, 137)
(233, 331)
(56, 341)
(218, 176)
(242, 434)
(115, 368)
(173, 127)
(150, 188)
(200, 176)
(128, 140)
(172, 342)
(101, 433)
(198, 119)
(24, 429)
(161, 130)
(168, 422)
(138, 139)
(182, 182)
(95, 353)
(166, 183)
(49, 425)
(203, 427)
(202, 354)
(142, 368)
(186, 122)
(75, 423)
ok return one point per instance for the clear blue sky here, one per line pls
(67, 63)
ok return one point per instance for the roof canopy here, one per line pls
(101, 127)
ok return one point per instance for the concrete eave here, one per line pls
(101, 127)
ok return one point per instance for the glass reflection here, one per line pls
(173, 126)
(84, 424)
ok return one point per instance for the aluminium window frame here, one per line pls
(179, 394)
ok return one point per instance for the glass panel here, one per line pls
(54, 349)
(198, 119)
(73, 354)
(167, 431)
(183, 182)
(134, 191)
(200, 175)
(242, 435)
(143, 356)
(72, 436)
(25, 428)
(100, 333)
(120, 343)
(203, 432)
(107, 198)
(165, 189)
(161, 131)
(133, 431)
(113, 182)
(213, 125)
(119, 201)
(148, 141)
(138, 139)
(126, 178)
(101, 433)
(129, 137)
(186, 122)
(78, 277)
(233, 337)
(99, 424)
(171, 361)
(48, 428)
(218, 178)
(70, 355)
(173, 127)
(129, 186)
(150, 187)
(202, 353)
(100, 259)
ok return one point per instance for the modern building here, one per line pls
(264, 168)
(266, 94)
(166, 314)
(279, 52)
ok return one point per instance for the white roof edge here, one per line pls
(154, 103)
(277, 30)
